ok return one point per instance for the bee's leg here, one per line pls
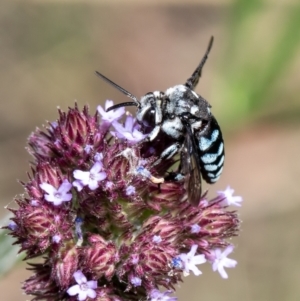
(168, 153)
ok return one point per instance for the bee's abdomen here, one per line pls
(211, 151)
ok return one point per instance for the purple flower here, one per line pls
(57, 196)
(195, 228)
(156, 295)
(156, 239)
(128, 131)
(123, 231)
(220, 261)
(12, 226)
(98, 157)
(89, 178)
(109, 185)
(112, 115)
(230, 199)
(83, 288)
(34, 203)
(88, 148)
(143, 171)
(136, 281)
(134, 258)
(190, 261)
(130, 190)
(56, 238)
(177, 263)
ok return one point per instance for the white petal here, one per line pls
(91, 293)
(83, 176)
(227, 251)
(129, 123)
(92, 284)
(65, 187)
(108, 104)
(78, 184)
(100, 176)
(48, 188)
(119, 128)
(67, 197)
(199, 259)
(128, 136)
(73, 290)
(96, 168)
(79, 277)
(222, 272)
(229, 263)
(50, 198)
(100, 110)
(82, 295)
(195, 270)
(93, 184)
(193, 250)
(57, 202)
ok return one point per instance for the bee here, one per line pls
(184, 119)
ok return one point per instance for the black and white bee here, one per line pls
(183, 118)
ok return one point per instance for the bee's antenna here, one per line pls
(123, 104)
(194, 79)
(135, 100)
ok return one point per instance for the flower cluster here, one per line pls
(104, 223)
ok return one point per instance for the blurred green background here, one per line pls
(50, 49)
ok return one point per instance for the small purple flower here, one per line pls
(156, 239)
(136, 281)
(98, 157)
(220, 261)
(112, 115)
(177, 263)
(195, 228)
(78, 230)
(83, 288)
(57, 196)
(130, 190)
(89, 178)
(230, 199)
(135, 258)
(12, 226)
(190, 261)
(56, 238)
(34, 203)
(128, 131)
(109, 185)
(88, 148)
(143, 171)
(156, 295)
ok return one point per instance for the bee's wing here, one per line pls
(190, 167)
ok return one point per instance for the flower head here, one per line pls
(98, 208)
(83, 288)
